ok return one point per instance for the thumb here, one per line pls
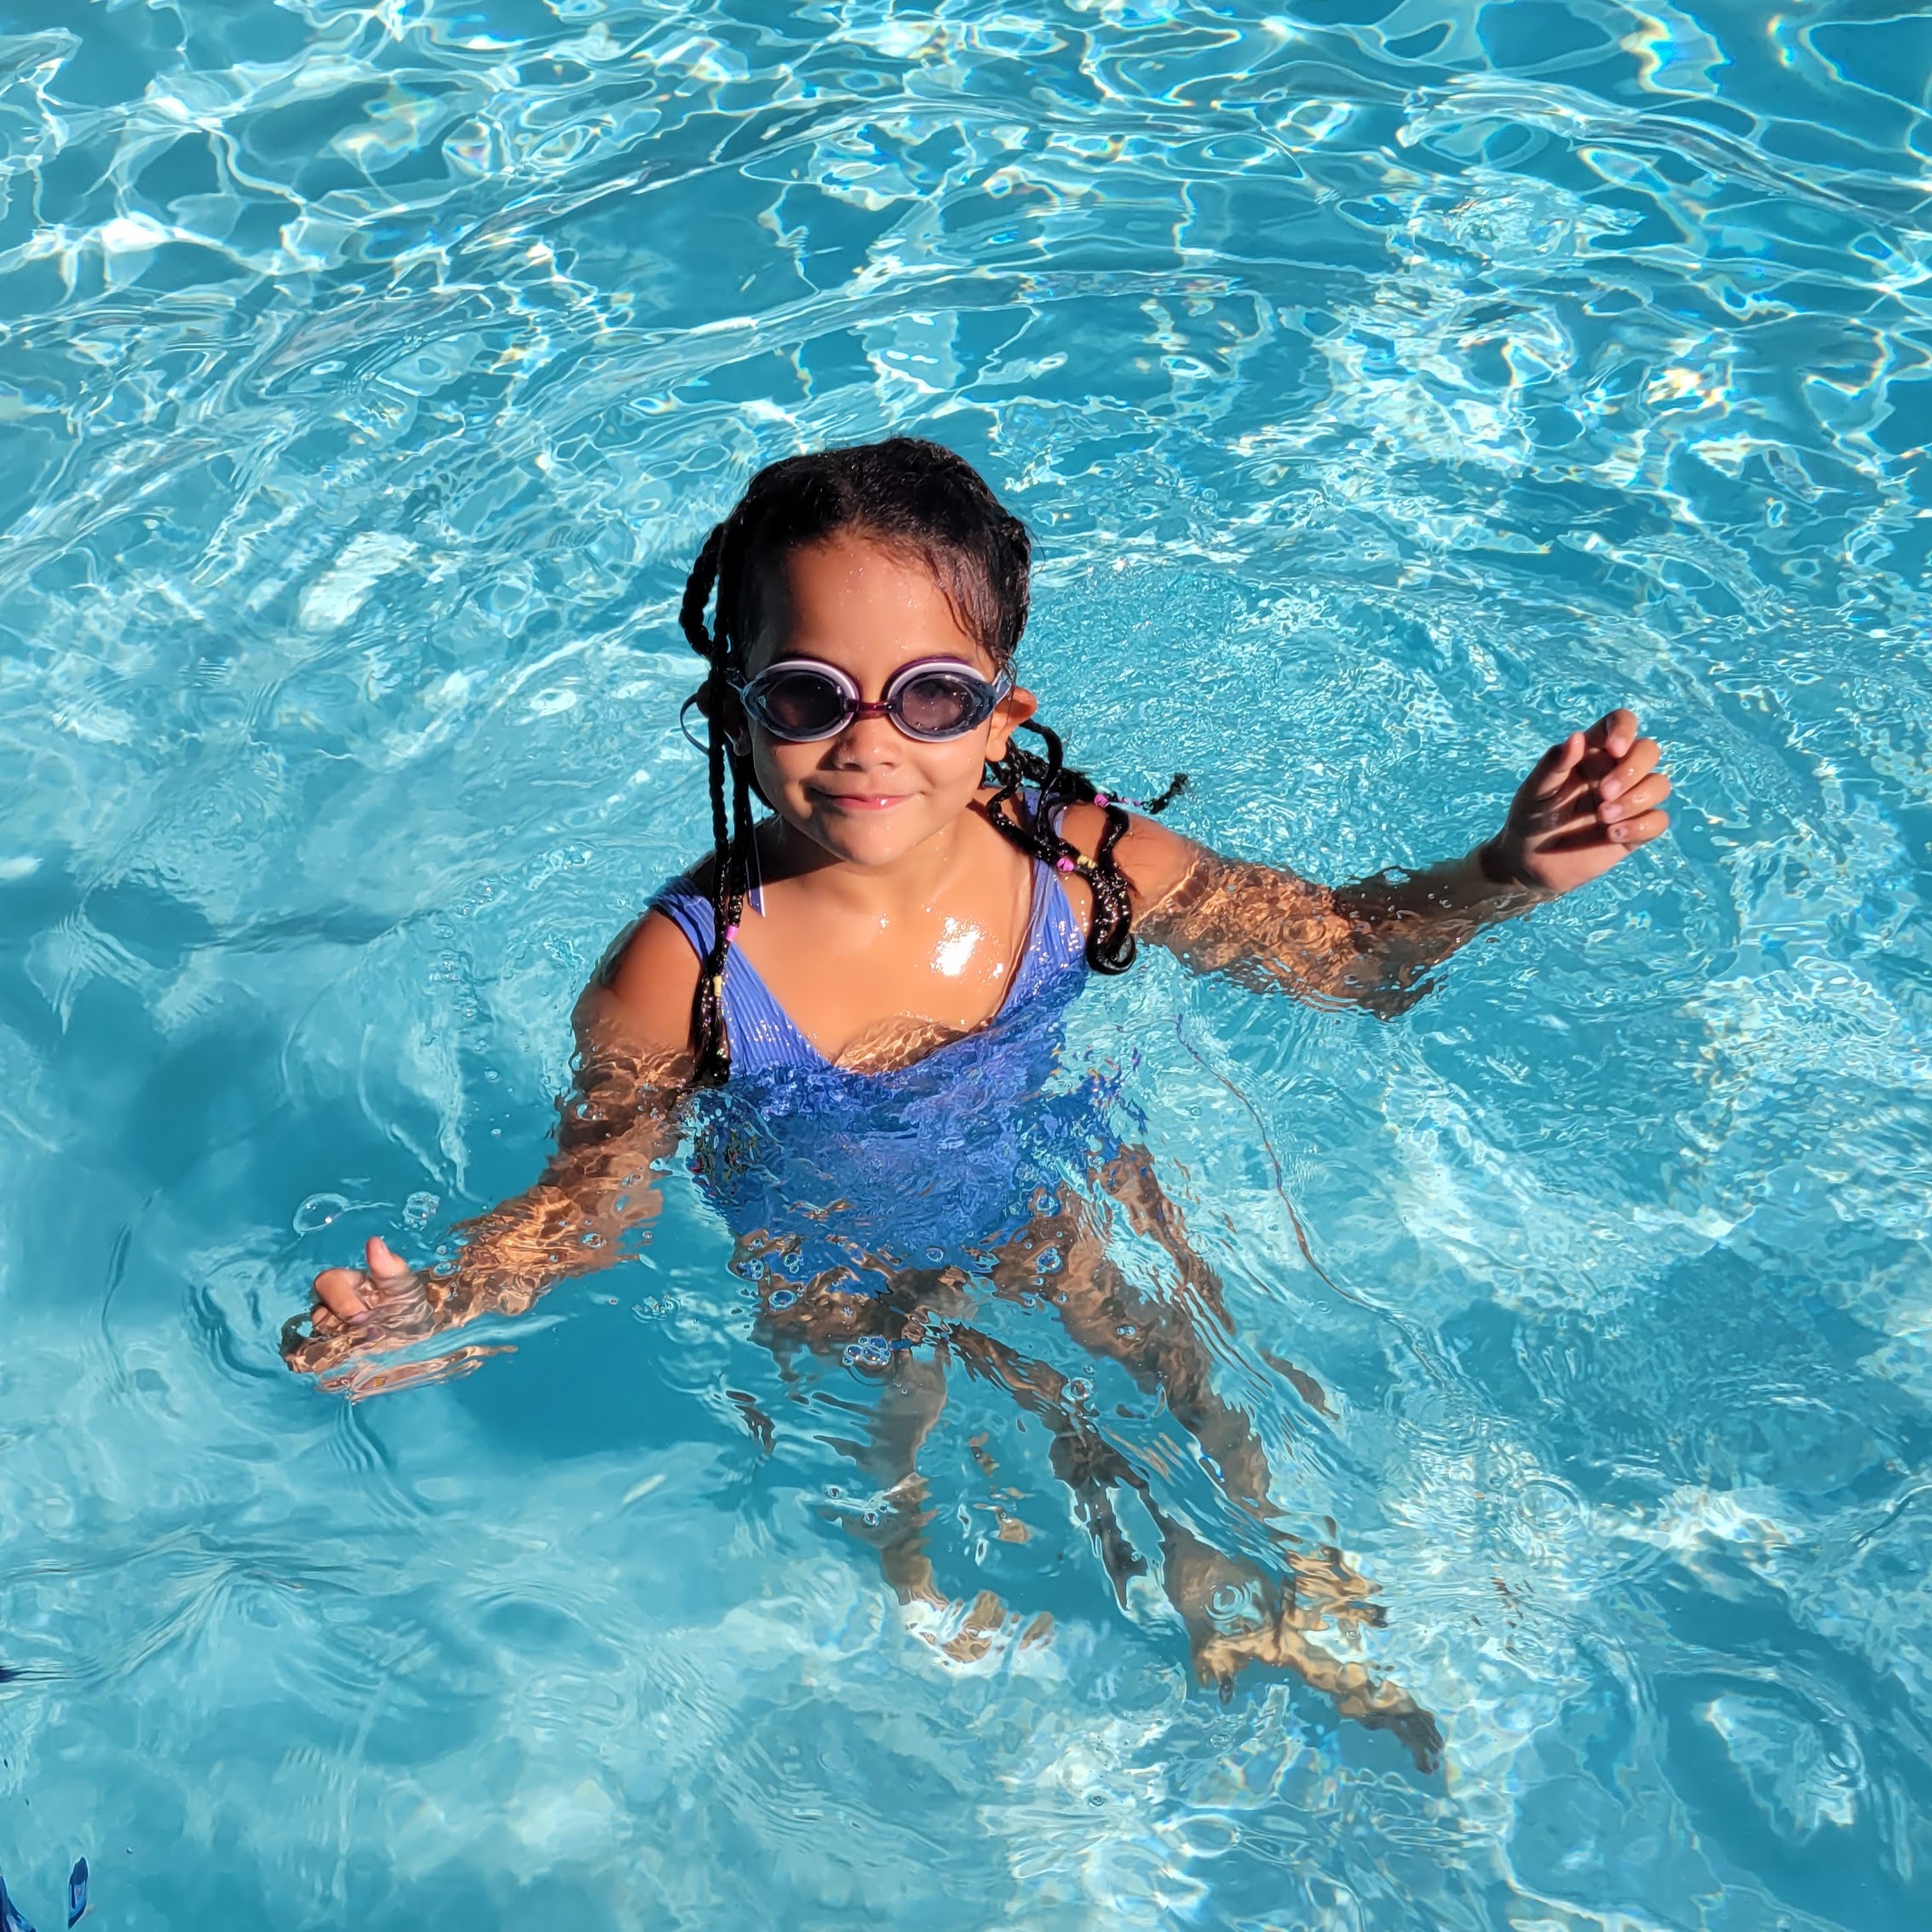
(339, 1290)
(1553, 770)
(384, 1263)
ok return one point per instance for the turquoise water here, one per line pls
(1389, 386)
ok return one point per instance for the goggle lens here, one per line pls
(801, 704)
(940, 703)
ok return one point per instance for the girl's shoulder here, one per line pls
(649, 980)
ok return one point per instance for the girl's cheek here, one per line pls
(775, 774)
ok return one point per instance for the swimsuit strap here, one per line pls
(1054, 944)
(761, 1031)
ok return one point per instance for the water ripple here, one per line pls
(1386, 385)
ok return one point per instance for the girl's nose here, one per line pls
(872, 740)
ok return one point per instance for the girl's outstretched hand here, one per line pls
(383, 1305)
(1589, 801)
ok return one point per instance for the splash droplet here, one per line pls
(318, 1211)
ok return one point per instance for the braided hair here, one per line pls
(914, 496)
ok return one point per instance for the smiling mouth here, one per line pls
(861, 801)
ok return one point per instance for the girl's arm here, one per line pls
(1589, 801)
(633, 1060)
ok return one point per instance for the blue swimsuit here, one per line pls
(825, 1168)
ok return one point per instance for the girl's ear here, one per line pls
(1012, 711)
(736, 736)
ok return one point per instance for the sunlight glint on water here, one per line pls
(1386, 394)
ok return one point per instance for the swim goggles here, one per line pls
(802, 701)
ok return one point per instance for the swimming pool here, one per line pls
(1387, 385)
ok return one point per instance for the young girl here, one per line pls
(851, 1006)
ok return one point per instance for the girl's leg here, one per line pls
(1088, 1465)
(1234, 1613)
(908, 1392)
(1162, 1342)
(1236, 1616)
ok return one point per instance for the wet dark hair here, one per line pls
(914, 496)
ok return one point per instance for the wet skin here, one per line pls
(893, 913)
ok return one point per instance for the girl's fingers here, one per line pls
(1639, 831)
(1615, 732)
(1638, 799)
(355, 1309)
(340, 1291)
(385, 1264)
(349, 1294)
(1638, 762)
(1551, 772)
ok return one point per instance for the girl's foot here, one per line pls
(1237, 1616)
(968, 1637)
(1375, 1704)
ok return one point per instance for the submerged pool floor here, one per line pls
(1389, 386)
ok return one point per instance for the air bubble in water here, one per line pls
(420, 1209)
(318, 1211)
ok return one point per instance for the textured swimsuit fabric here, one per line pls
(932, 1163)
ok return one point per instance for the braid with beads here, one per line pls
(1111, 945)
(919, 496)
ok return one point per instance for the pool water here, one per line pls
(1390, 384)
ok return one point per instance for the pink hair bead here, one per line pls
(730, 934)
(1064, 864)
(1102, 800)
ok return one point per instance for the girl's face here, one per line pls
(871, 795)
